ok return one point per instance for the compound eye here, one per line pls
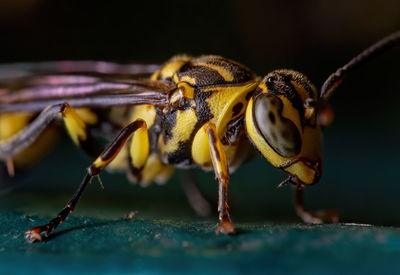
(280, 133)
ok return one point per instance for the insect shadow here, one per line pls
(86, 226)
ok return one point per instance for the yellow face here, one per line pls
(283, 127)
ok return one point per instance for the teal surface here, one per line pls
(165, 236)
(88, 245)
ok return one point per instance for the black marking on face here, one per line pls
(279, 83)
(301, 81)
(280, 133)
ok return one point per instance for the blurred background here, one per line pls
(362, 150)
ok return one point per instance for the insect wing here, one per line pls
(20, 70)
(92, 89)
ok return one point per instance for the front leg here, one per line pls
(319, 217)
(221, 170)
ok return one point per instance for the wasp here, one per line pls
(206, 111)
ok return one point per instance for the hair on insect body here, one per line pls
(206, 111)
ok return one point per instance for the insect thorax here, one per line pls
(212, 89)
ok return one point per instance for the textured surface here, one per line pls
(152, 246)
(166, 236)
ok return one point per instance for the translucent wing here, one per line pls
(81, 84)
(19, 70)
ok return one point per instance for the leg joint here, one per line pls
(93, 170)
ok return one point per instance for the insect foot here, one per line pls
(33, 234)
(225, 227)
(328, 215)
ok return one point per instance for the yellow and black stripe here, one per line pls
(214, 81)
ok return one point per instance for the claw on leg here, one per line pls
(33, 234)
(225, 227)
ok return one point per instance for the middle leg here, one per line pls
(317, 217)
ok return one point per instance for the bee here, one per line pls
(206, 111)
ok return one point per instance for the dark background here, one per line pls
(361, 148)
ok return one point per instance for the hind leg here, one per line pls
(138, 129)
(195, 197)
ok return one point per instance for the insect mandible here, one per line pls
(205, 111)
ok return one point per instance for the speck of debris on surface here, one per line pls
(130, 215)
